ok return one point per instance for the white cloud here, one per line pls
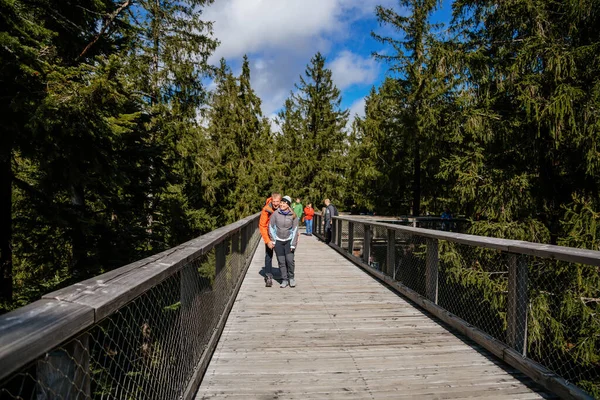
(358, 108)
(349, 69)
(280, 37)
(246, 26)
(274, 126)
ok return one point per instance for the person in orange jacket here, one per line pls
(309, 212)
(263, 225)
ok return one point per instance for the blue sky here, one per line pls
(280, 37)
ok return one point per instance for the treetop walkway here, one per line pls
(384, 311)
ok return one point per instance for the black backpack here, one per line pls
(335, 211)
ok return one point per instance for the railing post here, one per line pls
(321, 225)
(220, 257)
(518, 300)
(235, 249)
(244, 244)
(431, 270)
(367, 245)
(351, 238)
(65, 372)
(188, 290)
(338, 238)
(333, 230)
(391, 252)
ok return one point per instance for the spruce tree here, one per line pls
(313, 133)
(242, 165)
(379, 171)
(22, 45)
(168, 65)
(418, 60)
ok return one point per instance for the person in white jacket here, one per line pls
(283, 231)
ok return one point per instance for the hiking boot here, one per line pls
(268, 281)
(284, 284)
(292, 282)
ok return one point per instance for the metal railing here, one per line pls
(460, 225)
(144, 331)
(535, 306)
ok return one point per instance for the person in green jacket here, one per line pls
(298, 209)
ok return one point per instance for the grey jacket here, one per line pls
(284, 227)
(329, 211)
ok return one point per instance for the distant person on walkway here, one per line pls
(283, 232)
(446, 217)
(309, 212)
(263, 225)
(297, 207)
(330, 212)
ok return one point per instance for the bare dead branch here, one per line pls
(109, 20)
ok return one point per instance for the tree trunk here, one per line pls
(6, 265)
(78, 237)
(416, 207)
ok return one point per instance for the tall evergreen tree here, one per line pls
(168, 62)
(78, 80)
(419, 61)
(241, 147)
(22, 45)
(380, 155)
(313, 134)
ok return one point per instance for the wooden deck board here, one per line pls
(342, 335)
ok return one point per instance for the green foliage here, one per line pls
(96, 164)
(498, 123)
(313, 143)
(238, 172)
(420, 63)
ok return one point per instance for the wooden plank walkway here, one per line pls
(342, 335)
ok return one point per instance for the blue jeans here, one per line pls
(309, 223)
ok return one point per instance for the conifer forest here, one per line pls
(119, 139)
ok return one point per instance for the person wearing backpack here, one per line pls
(330, 211)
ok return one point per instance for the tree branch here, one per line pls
(108, 22)
(587, 300)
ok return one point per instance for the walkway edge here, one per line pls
(541, 375)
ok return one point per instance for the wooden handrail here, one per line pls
(29, 332)
(569, 254)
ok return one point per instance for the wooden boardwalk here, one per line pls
(340, 334)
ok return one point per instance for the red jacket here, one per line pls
(308, 213)
(263, 223)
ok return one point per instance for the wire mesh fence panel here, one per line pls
(563, 323)
(378, 245)
(345, 236)
(411, 252)
(359, 240)
(149, 348)
(357, 236)
(473, 284)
